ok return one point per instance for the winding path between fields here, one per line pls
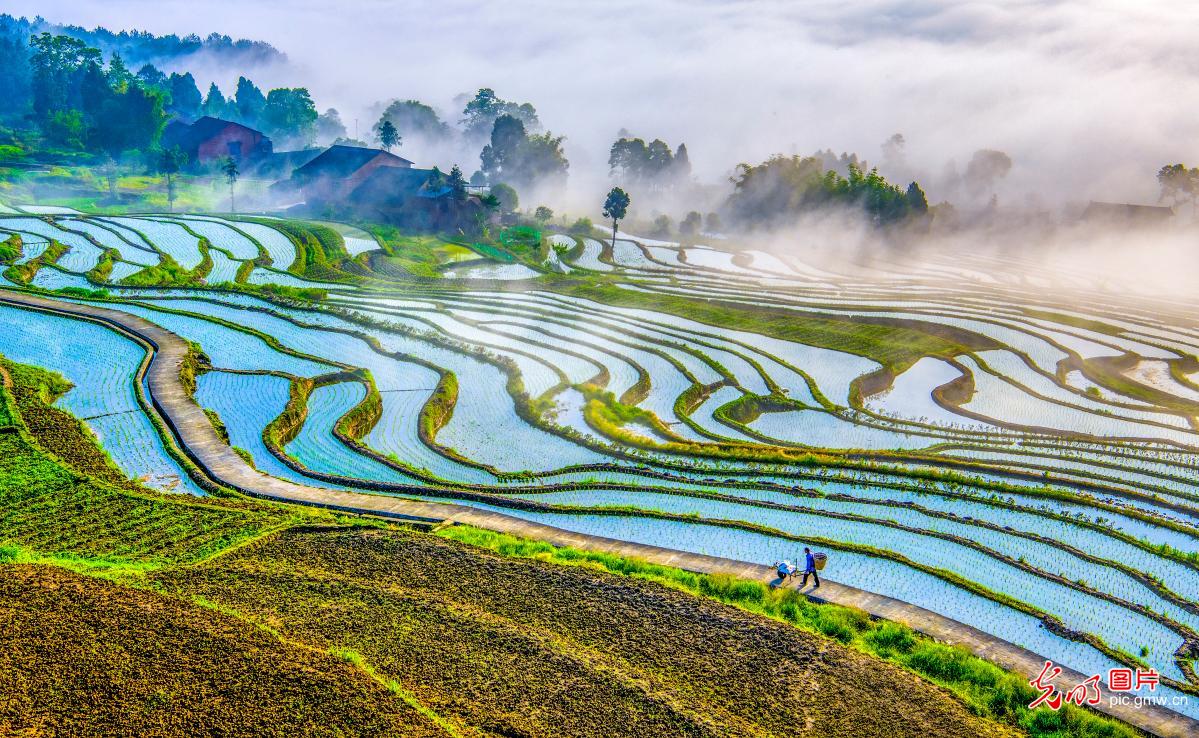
(197, 438)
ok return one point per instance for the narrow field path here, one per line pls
(199, 440)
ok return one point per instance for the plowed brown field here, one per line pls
(502, 646)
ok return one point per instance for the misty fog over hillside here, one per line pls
(1087, 99)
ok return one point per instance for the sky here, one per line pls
(1089, 99)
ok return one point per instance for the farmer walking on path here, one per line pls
(809, 568)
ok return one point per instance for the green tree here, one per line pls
(387, 134)
(659, 160)
(681, 166)
(481, 113)
(662, 226)
(15, 77)
(231, 172)
(507, 137)
(119, 76)
(57, 64)
(129, 120)
(519, 159)
(690, 225)
(94, 93)
(917, 202)
(1178, 184)
(652, 164)
(616, 206)
(65, 128)
(329, 126)
(542, 160)
(543, 214)
(416, 119)
(627, 157)
(185, 96)
(149, 77)
(214, 103)
(457, 184)
(289, 115)
(248, 101)
(507, 197)
(779, 189)
(169, 162)
(436, 179)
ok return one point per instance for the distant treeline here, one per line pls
(142, 47)
(781, 188)
(99, 94)
(87, 99)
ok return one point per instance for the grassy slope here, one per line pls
(478, 643)
(408, 254)
(86, 188)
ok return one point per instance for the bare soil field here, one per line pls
(84, 657)
(511, 647)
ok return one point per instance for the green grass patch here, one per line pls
(23, 274)
(11, 248)
(414, 255)
(439, 409)
(84, 292)
(100, 273)
(489, 251)
(1108, 372)
(1073, 320)
(166, 273)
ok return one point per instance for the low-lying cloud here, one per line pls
(1087, 98)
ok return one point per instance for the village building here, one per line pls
(212, 139)
(419, 199)
(335, 173)
(1126, 214)
(281, 164)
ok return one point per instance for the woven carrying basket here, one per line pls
(821, 560)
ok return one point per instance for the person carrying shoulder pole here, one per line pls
(784, 570)
(809, 568)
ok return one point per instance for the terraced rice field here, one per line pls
(170, 238)
(1022, 460)
(357, 240)
(143, 241)
(104, 394)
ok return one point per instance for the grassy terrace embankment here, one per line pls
(894, 343)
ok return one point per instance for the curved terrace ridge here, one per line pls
(199, 440)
